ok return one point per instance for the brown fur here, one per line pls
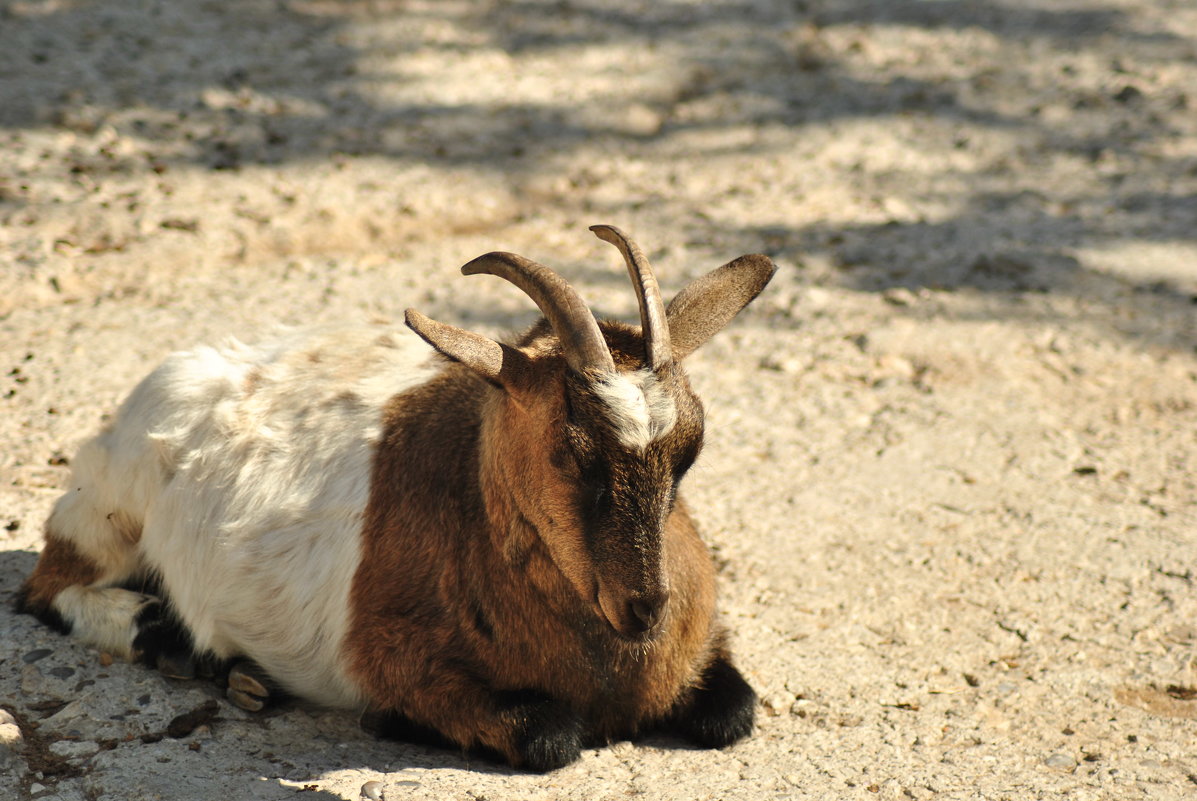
(59, 566)
(476, 577)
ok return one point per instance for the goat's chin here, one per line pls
(637, 636)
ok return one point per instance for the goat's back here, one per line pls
(245, 471)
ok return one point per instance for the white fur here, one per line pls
(642, 410)
(246, 471)
(103, 617)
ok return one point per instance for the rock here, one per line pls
(72, 749)
(893, 366)
(33, 683)
(1000, 265)
(817, 297)
(183, 725)
(791, 365)
(35, 655)
(80, 708)
(776, 703)
(899, 296)
(1129, 94)
(1061, 762)
(637, 119)
(10, 742)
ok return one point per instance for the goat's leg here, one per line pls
(82, 582)
(249, 687)
(536, 731)
(163, 641)
(70, 591)
(527, 728)
(718, 710)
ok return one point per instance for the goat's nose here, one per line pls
(646, 611)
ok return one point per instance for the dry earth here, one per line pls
(950, 464)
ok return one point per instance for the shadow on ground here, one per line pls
(337, 88)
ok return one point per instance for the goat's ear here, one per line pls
(498, 363)
(709, 303)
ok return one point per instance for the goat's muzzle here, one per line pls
(637, 615)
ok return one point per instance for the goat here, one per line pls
(486, 550)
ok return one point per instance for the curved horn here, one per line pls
(567, 313)
(653, 325)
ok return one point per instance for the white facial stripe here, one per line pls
(641, 409)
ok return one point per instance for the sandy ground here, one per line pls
(949, 472)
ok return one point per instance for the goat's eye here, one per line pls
(593, 499)
(598, 499)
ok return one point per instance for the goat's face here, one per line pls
(591, 429)
(628, 438)
(593, 466)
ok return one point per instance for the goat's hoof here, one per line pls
(548, 734)
(162, 642)
(243, 700)
(247, 687)
(175, 665)
(720, 711)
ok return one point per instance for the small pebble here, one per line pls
(899, 296)
(33, 656)
(61, 672)
(1062, 762)
(105, 659)
(182, 725)
(776, 703)
(790, 365)
(75, 750)
(10, 741)
(372, 791)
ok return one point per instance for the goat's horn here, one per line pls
(653, 324)
(567, 313)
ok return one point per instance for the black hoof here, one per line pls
(163, 643)
(42, 611)
(176, 665)
(547, 734)
(721, 709)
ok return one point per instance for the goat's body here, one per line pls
(489, 549)
(260, 568)
(321, 569)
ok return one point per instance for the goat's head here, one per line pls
(595, 425)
